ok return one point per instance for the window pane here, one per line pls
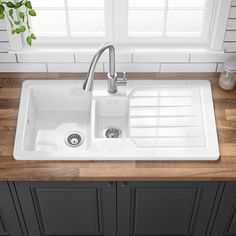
(146, 3)
(187, 3)
(49, 22)
(184, 21)
(145, 21)
(83, 21)
(47, 3)
(86, 3)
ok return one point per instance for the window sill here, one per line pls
(124, 54)
(129, 59)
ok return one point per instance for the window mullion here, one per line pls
(67, 18)
(165, 18)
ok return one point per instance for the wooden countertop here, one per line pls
(10, 169)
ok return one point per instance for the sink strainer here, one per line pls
(112, 133)
(74, 139)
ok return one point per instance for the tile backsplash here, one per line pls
(230, 35)
(133, 61)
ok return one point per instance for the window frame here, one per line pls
(108, 34)
(218, 25)
(121, 24)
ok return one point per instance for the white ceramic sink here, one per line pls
(155, 120)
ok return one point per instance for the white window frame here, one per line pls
(219, 24)
(117, 18)
(108, 11)
(121, 24)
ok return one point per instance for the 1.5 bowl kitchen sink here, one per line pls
(146, 120)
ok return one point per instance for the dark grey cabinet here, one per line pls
(225, 221)
(118, 208)
(9, 224)
(68, 208)
(164, 208)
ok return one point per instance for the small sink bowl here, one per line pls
(111, 113)
(146, 120)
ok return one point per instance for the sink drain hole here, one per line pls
(112, 133)
(74, 139)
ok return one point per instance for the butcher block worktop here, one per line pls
(10, 169)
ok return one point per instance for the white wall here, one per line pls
(230, 36)
(4, 41)
(132, 61)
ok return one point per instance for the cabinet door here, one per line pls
(9, 224)
(164, 208)
(225, 222)
(68, 208)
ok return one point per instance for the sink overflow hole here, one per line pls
(74, 139)
(112, 133)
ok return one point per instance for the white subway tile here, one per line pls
(123, 57)
(232, 13)
(72, 67)
(23, 67)
(46, 57)
(4, 46)
(220, 67)
(233, 3)
(160, 57)
(2, 25)
(230, 36)
(188, 67)
(135, 67)
(207, 56)
(230, 46)
(88, 56)
(4, 36)
(6, 57)
(231, 24)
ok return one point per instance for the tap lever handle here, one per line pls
(121, 81)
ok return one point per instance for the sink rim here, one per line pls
(100, 89)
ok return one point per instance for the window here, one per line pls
(123, 21)
(165, 20)
(71, 20)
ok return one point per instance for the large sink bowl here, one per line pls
(146, 120)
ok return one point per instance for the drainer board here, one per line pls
(167, 117)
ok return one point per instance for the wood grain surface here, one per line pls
(10, 169)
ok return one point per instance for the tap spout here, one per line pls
(89, 81)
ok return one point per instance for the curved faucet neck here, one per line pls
(89, 81)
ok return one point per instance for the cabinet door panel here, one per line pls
(3, 230)
(9, 224)
(84, 208)
(164, 208)
(156, 210)
(74, 203)
(225, 222)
